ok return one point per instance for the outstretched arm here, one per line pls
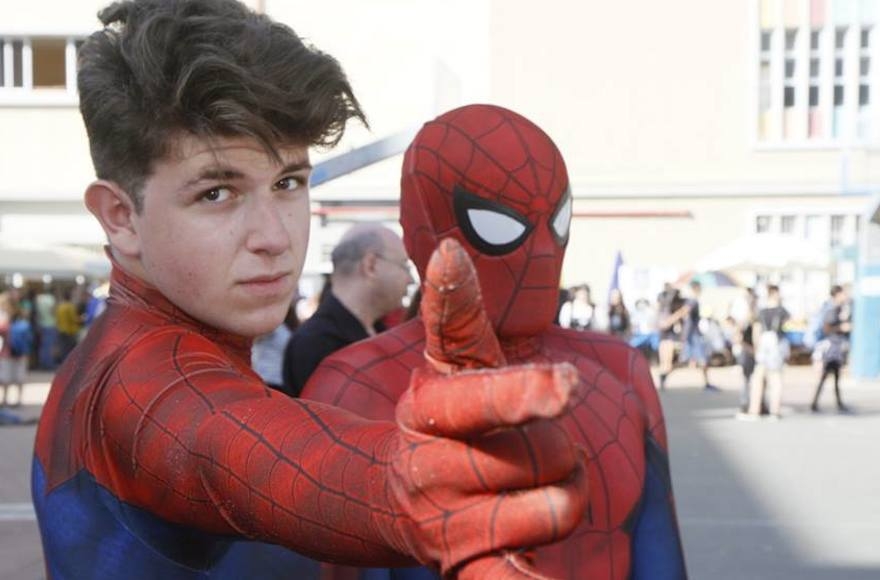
(189, 438)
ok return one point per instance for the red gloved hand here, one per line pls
(483, 467)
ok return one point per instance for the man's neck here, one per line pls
(354, 302)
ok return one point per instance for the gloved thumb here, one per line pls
(458, 332)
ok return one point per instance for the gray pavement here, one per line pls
(791, 499)
(794, 499)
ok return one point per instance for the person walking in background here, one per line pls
(645, 335)
(20, 339)
(69, 324)
(771, 352)
(743, 344)
(694, 350)
(6, 309)
(833, 349)
(370, 278)
(562, 298)
(47, 330)
(671, 311)
(96, 302)
(618, 315)
(579, 313)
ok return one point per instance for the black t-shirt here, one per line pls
(773, 318)
(329, 329)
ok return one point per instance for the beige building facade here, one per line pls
(686, 125)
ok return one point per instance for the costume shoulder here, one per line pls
(154, 405)
(368, 377)
(626, 363)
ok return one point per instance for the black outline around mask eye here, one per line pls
(463, 200)
(566, 198)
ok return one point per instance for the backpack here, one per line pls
(21, 338)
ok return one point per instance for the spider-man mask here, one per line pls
(496, 182)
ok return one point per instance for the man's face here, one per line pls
(223, 231)
(394, 271)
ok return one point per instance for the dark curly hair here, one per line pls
(210, 68)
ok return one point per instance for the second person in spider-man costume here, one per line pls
(495, 182)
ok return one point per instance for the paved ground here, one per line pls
(795, 499)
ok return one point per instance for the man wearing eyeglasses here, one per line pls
(370, 277)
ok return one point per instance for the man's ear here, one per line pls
(115, 210)
(368, 264)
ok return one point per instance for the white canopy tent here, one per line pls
(765, 253)
(800, 267)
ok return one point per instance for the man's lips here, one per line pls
(265, 279)
(267, 285)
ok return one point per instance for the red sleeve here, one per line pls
(369, 377)
(184, 434)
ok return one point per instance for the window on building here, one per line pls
(839, 81)
(811, 53)
(48, 62)
(789, 93)
(11, 56)
(864, 112)
(765, 84)
(33, 65)
(762, 224)
(814, 228)
(836, 237)
(814, 114)
(786, 224)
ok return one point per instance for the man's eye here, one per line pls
(290, 183)
(217, 195)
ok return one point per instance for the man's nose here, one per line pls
(267, 227)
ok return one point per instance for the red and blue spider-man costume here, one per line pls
(492, 180)
(159, 451)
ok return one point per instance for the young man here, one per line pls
(159, 450)
(836, 326)
(694, 349)
(771, 353)
(369, 280)
(496, 183)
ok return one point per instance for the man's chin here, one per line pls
(255, 326)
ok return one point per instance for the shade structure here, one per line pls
(57, 261)
(764, 253)
(709, 279)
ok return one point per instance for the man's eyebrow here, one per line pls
(215, 174)
(296, 166)
(224, 174)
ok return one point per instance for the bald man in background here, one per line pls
(370, 276)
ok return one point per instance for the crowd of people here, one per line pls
(671, 332)
(40, 327)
